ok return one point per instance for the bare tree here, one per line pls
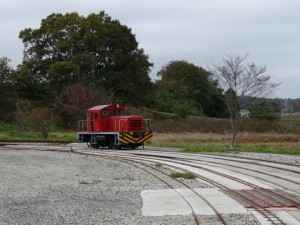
(239, 80)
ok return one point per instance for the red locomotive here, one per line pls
(107, 126)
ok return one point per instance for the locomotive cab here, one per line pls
(106, 126)
(99, 118)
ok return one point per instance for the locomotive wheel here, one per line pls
(95, 146)
(119, 147)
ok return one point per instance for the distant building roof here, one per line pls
(295, 114)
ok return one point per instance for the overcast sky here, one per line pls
(198, 31)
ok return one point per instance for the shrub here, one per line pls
(183, 175)
(40, 119)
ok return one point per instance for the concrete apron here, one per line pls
(171, 202)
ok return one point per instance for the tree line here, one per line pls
(72, 62)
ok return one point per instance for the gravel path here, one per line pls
(62, 188)
(48, 188)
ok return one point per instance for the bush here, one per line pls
(183, 175)
(40, 119)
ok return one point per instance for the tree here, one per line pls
(7, 94)
(71, 104)
(96, 49)
(239, 80)
(41, 119)
(190, 86)
(263, 109)
(6, 71)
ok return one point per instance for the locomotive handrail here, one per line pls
(118, 125)
(147, 124)
(82, 125)
(121, 120)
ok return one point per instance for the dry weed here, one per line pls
(288, 141)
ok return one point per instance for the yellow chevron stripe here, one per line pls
(129, 141)
(146, 138)
(131, 137)
(123, 141)
(127, 138)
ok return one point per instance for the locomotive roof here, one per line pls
(100, 107)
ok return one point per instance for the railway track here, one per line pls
(259, 199)
(255, 197)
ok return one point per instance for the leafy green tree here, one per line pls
(165, 100)
(41, 119)
(263, 109)
(7, 94)
(71, 104)
(95, 50)
(186, 82)
(6, 71)
(29, 86)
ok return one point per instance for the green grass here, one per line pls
(5, 127)
(38, 136)
(163, 115)
(183, 175)
(158, 165)
(242, 148)
(198, 142)
(9, 132)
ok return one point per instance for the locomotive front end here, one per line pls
(135, 132)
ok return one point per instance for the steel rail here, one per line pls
(263, 211)
(121, 159)
(134, 160)
(266, 213)
(237, 180)
(239, 167)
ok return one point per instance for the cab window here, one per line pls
(121, 112)
(112, 112)
(104, 113)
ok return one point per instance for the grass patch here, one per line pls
(5, 127)
(183, 175)
(12, 132)
(158, 165)
(220, 143)
(207, 148)
(89, 182)
(266, 149)
(243, 148)
(37, 136)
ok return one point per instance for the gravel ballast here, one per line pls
(62, 188)
(40, 187)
